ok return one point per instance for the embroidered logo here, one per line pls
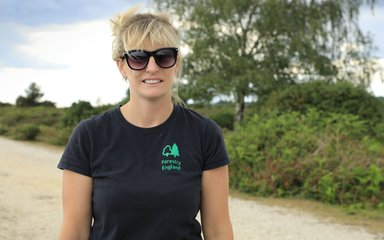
(171, 164)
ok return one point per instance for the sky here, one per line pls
(64, 46)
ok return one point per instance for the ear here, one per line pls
(122, 67)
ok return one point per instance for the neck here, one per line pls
(147, 114)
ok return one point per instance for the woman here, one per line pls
(145, 169)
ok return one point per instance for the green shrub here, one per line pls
(3, 129)
(222, 113)
(327, 158)
(62, 136)
(379, 131)
(14, 116)
(341, 97)
(77, 112)
(54, 135)
(27, 132)
(224, 120)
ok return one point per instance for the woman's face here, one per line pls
(152, 82)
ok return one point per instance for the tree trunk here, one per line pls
(240, 105)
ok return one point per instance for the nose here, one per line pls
(152, 65)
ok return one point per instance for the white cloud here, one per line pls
(71, 44)
(88, 72)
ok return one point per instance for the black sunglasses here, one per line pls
(138, 59)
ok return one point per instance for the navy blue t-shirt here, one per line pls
(146, 181)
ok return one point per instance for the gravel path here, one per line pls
(30, 204)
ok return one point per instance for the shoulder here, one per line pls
(104, 117)
(213, 149)
(197, 118)
(198, 123)
(96, 122)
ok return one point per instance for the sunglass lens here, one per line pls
(137, 59)
(165, 58)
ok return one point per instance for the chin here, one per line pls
(157, 97)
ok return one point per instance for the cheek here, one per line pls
(132, 75)
(173, 73)
(171, 77)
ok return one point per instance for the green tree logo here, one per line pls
(168, 150)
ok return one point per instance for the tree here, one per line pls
(21, 101)
(4, 104)
(47, 104)
(247, 48)
(33, 96)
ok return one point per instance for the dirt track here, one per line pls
(30, 204)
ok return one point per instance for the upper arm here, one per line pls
(77, 205)
(215, 217)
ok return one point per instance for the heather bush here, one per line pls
(27, 132)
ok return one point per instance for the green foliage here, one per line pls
(224, 120)
(54, 135)
(222, 113)
(11, 116)
(62, 136)
(22, 101)
(47, 104)
(5, 104)
(245, 48)
(327, 188)
(3, 129)
(77, 112)
(33, 96)
(341, 97)
(15, 121)
(327, 158)
(379, 131)
(27, 132)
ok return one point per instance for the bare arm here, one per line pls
(77, 206)
(215, 217)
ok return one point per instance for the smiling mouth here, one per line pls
(152, 81)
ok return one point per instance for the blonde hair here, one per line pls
(131, 29)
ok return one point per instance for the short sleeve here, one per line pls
(215, 154)
(76, 156)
